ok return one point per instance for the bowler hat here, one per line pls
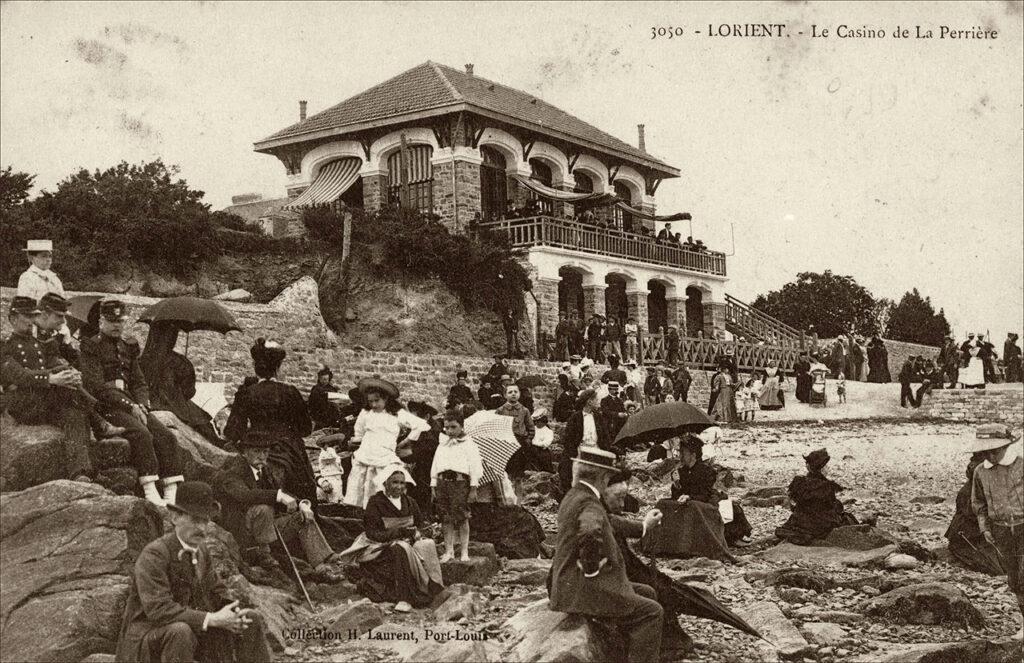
(257, 439)
(818, 458)
(113, 310)
(597, 458)
(24, 306)
(992, 436)
(51, 301)
(195, 498)
(38, 245)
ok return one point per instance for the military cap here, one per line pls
(51, 301)
(113, 310)
(24, 306)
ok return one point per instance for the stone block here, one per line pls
(824, 633)
(351, 618)
(528, 572)
(536, 633)
(776, 629)
(827, 556)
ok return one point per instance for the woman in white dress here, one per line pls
(973, 375)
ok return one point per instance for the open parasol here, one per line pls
(493, 436)
(659, 422)
(79, 308)
(191, 314)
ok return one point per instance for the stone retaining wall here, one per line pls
(1004, 403)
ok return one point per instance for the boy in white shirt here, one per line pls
(454, 477)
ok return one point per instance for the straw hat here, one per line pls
(991, 436)
(597, 458)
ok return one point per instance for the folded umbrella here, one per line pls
(493, 436)
(659, 422)
(191, 314)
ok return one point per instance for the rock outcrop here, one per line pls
(68, 549)
(537, 633)
(927, 603)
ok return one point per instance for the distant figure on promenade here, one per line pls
(1012, 358)
(878, 362)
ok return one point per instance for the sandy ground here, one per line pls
(883, 465)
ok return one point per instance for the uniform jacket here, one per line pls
(237, 491)
(167, 587)
(586, 534)
(58, 349)
(25, 366)
(106, 360)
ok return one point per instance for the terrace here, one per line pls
(545, 230)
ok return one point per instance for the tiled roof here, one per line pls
(431, 85)
(254, 211)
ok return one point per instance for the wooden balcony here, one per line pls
(549, 231)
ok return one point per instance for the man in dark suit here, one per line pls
(178, 609)
(613, 409)
(586, 427)
(254, 506)
(588, 574)
(111, 372)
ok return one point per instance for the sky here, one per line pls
(897, 161)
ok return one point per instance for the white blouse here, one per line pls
(377, 433)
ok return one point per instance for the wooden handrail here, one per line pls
(549, 231)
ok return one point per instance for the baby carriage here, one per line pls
(818, 397)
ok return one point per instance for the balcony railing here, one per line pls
(549, 231)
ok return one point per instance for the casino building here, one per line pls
(468, 149)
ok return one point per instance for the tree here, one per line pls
(15, 223)
(14, 188)
(914, 320)
(833, 304)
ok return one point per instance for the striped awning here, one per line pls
(418, 163)
(681, 216)
(333, 180)
(545, 191)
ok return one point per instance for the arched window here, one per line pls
(582, 184)
(623, 220)
(493, 183)
(419, 178)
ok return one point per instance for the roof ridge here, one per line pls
(444, 78)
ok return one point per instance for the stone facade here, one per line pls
(593, 300)
(676, 307)
(714, 319)
(1002, 403)
(546, 291)
(374, 195)
(636, 301)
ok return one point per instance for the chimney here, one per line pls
(302, 110)
(469, 69)
(640, 138)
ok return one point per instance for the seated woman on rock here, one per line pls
(816, 509)
(966, 543)
(396, 562)
(697, 482)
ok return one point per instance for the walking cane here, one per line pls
(975, 549)
(295, 570)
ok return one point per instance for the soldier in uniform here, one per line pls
(61, 354)
(43, 392)
(111, 372)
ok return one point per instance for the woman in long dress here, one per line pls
(816, 509)
(697, 482)
(279, 410)
(972, 376)
(396, 561)
(376, 434)
(771, 397)
(878, 362)
(725, 404)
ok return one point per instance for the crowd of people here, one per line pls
(403, 466)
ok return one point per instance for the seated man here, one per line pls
(967, 545)
(816, 509)
(460, 393)
(178, 609)
(42, 392)
(111, 372)
(588, 573)
(255, 510)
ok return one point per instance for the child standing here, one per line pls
(331, 483)
(454, 477)
(841, 388)
(997, 497)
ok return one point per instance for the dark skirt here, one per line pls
(389, 578)
(452, 499)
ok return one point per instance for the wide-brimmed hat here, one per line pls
(256, 439)
(583, 397)
(379, 384)
(991, 436)
(540, 413)
(267, 351)
(575, 357)
(692, 443)
(53, 302)
(38, 245)
(113, 310)
(24, 306)
(818, 458)
(597, 458)
(195, 498)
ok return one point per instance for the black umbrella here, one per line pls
(79, 308)
(659, 422)
(191, 314)
(531, 382)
